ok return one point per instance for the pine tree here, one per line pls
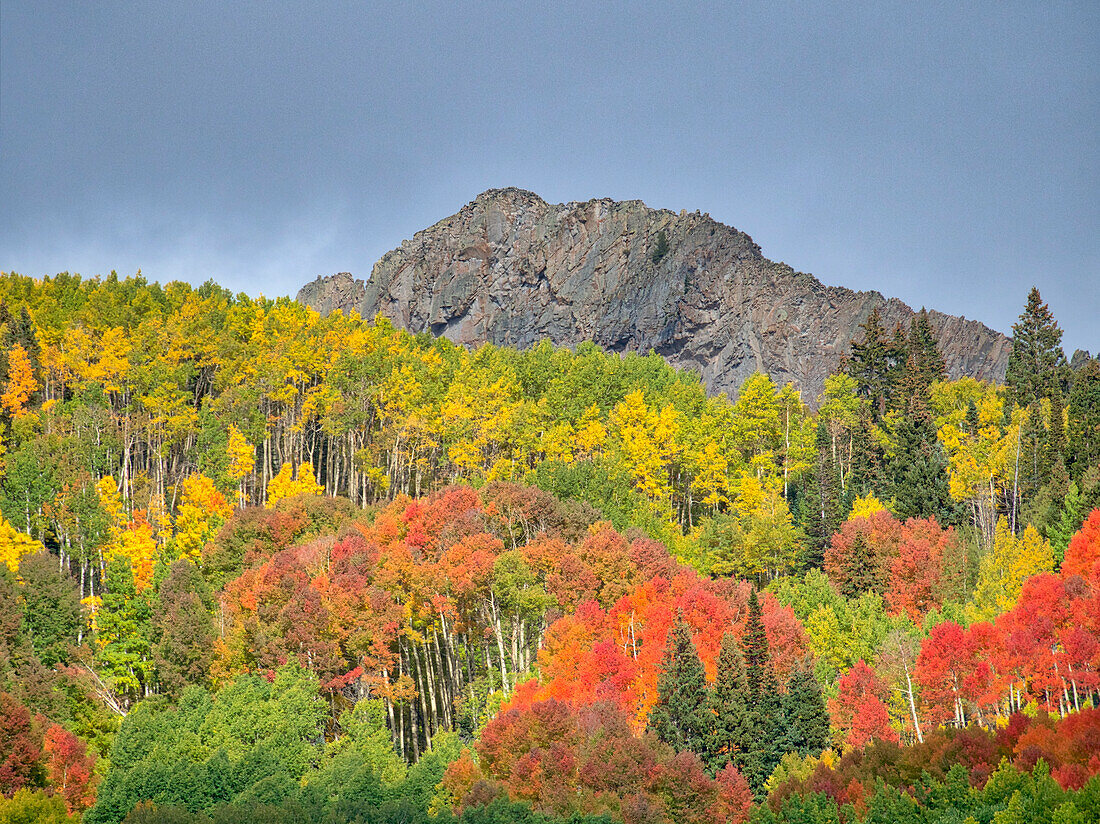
(660, 248)
(897, 354)
(866, 472)
(755, 643)
(869, 363)
(821, 515)
(972, 424)
(23, 332)
(1037, 360)
(1083, 433)
(859, 569)
(805, 718)
(1070, 517)
(732, 736)
(765, 746)
(682, 717)
(925, 351)
(918, 470)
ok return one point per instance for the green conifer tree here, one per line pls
(729, 701)
(925, 350)
(660, 248)
(805, 718)
(972, 424)
(1070, 517)
(1083, 433)
(1037, 360)
(682, 716)
(869, 363)
(897, 354)
(821, 515)
(765, 745)
(918, 470)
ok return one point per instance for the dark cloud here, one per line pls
(946, 156)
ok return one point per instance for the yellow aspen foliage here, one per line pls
(591, 433)
(1003, 570)
(91, 606)
(646, 443)
(865, 506)
(15, 544)
(21, 383)
(756, 424)
(286, 483)
(201, 513)
(137, 543)
(111, 503)
(770, 539)
(557, 442)
(711, 480)
(242, 460)
(114, 360)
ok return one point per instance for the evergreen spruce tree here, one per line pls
(1035, 453)
(869, 363)
(1056, 442)
(23, 331)
(805, 717)
(918, 471)
(1037, 361)
(660, 248)
(1070, 517)
(866, 475)
(682, 716)
(732, 736)
(859, 569)
(925, 351)
(755, 643)
(897, 353)
(972, 424)
(821, 515)
(765, 747)
(7, 337)
(1083, 432)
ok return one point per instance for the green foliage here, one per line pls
(805, 719)
(918, 470)
(660, 247)
(124, 630)
(732, 737)
(34, 807)
(681, 717)
(51, 608)
(183, 629)
(1036, 361)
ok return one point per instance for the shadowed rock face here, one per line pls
(511, 269)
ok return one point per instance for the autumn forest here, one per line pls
(263, 565)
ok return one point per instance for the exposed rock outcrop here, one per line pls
(511, 269)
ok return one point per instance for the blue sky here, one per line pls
(947, 156)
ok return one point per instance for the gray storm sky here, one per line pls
(946, 154)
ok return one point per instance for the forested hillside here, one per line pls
(264, 565)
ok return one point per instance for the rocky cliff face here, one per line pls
(511, 269)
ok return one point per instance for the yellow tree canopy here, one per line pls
(287, 483)
(15, 544)
(242, 454)
(21, 382)
(201, 513)
(865, 506)
(1003, 570)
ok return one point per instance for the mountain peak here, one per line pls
(511, 269)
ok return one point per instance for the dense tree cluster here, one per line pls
(264, 565)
